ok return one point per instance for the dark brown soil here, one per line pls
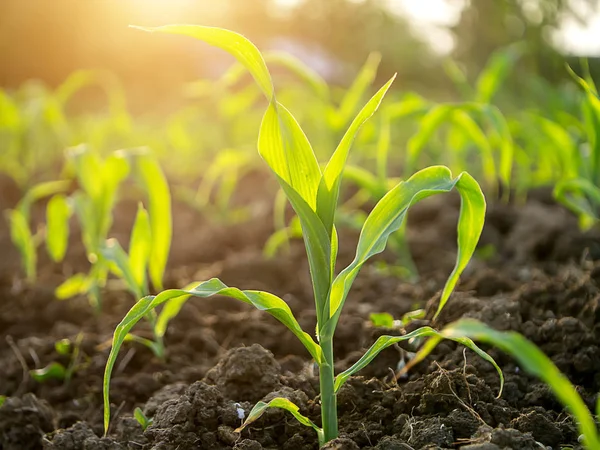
(543, 280)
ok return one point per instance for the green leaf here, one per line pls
(281, 403)
(581, 197)
(430, 122)
(2, 399)
(263, 301)
(88, 168)
(63, 347)
(58, 213)
(168, 312)
(159, 210)
(496, 71)
(384, 342)
(235, 44)
(385, 320)
(53, 371)
(387, 216)
(120, 265)
(534, 361)
(458, 77)
(319, 249)
(329, 187)
(285, 148)
(354, 94)
(140, 246)
(144, 421)
(72, 286)
(472, 130)
(22, 238)
(40, 191)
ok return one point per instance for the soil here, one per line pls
(541, 278)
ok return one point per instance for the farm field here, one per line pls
(284, 263)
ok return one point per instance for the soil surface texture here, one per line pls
(535, 272)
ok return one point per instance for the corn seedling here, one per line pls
(581, 192)
(218, 184)
(492, 76)
(142, 419)
(314, 194)
(27, 241)
(58, 371)
(99, 180)
(132, 268)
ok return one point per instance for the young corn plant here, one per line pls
(132, 269)
(21, 234)
(93, 203)
(56, 370)
(581, 192)
(313, 193)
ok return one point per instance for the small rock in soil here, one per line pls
(24, 421)
(246, 373)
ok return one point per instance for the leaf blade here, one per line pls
(263, 301)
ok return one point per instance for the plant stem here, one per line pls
(328, 398)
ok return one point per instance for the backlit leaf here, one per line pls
(58, 213)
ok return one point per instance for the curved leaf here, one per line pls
(387, 216)
(120, 265)
(159, 210)
(285, 148)
(329, 187)
(534, 361)
(38, 192)
(263, 301)
(281, 403)
(384, 342)
(299, 68)
(235, 44)
(58, 213)
(581, 197)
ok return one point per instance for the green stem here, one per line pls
(328, 397)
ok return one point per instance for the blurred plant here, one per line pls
(99, 181)
(579, 188)
(141, 418)
(132, 269)
(21, 235)
(35, 126)
(56, 370)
